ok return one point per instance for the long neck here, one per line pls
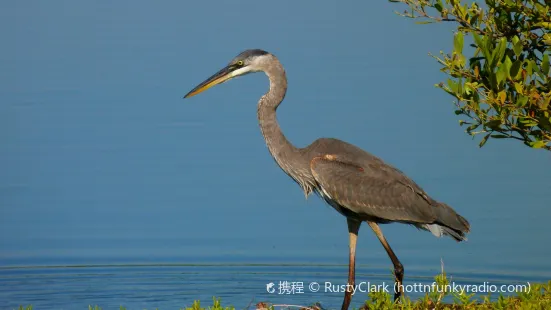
(288, 157)
(275, 139)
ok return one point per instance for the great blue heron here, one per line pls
(358, 185)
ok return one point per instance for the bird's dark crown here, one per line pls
(248, 54)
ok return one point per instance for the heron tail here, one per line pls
(449, 223)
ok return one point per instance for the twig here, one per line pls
(250, 303)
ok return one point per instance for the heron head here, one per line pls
(244, 63)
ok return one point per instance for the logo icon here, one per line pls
(270, 287)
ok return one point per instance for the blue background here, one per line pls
(102, 161)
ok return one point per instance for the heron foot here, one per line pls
(399, 277)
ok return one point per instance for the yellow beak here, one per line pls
(219, 77)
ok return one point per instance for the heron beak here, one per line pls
(219, 77)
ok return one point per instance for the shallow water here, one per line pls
(173, 285)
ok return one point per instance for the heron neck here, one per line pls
(290, 158)
(281, 149)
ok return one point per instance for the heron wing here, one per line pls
(370, 188)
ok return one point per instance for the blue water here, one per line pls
(116, 191)
(172, 286)
(171, 282)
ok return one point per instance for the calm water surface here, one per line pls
(75, 283)
(171, 286)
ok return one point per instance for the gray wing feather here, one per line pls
(363, 184)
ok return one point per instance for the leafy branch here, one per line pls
(503, 85)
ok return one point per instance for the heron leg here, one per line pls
(398, 268)
(353, 229)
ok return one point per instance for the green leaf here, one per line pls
(515, 69)
(452, 85)
(494, 124)
(500, 75)
(499, 136)
(498, 52)
(517, 47)
(471, 128)
(535, 67)
(507, 64)
(458, 43)
(546, 25)
(477, 40)
(483, 44)
(528, 67)
(521, 101)
(537, 144)
(483, 141)
(545, 64)
(424, 22)
(528, 122)
(493, 81)
(502, 95)
(438, 6)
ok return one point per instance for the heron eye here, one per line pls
(240, 63)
